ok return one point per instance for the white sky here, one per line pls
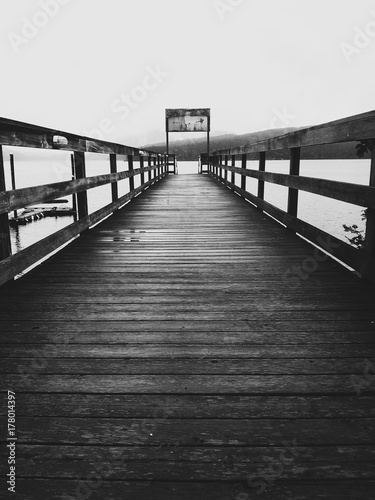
(259, 64)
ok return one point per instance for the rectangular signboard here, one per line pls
(188, 120)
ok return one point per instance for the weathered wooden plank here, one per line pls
(193, 351)
(195, 464)
(39, 364)
(221, 306)
(187, 406)
(197, 432)
(279, 326)
(184, 384)
(61, 489)
(157, 313)
(188, 337)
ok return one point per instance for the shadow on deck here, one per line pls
(179, 349)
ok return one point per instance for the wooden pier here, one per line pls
(190, 347)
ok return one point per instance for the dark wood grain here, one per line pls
(177, 334)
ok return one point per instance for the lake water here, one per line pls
(329, 215)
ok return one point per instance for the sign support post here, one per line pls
(188, 120)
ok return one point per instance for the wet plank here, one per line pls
(194, 337)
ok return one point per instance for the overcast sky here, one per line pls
(109, 68)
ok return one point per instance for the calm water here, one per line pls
(324, 213)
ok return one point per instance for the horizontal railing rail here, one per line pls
(360, 129)
(19, 134)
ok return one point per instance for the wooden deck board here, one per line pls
(184, 335)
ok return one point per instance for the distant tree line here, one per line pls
(190, 149)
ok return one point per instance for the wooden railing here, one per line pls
(14, 133)
(359, 128)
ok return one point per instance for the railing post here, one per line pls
(370, 223)
(142, 166)
(226, 163)
(149, 164)
(243, 166)
(80, 169)
(155, 161)
(114, 185)
(13, 176)
(131, 170)
(233, 176)
(262, 168)
(5, 245)
(165, 166)
(74, 195)
(295, 157)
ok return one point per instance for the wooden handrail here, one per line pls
(357, 128)
(14, 133)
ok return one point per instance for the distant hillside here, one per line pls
(190, 149)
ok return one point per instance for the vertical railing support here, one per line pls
(13, 176)
(142, 166)
(243, 166)
(295, 159)
(262, 168)
(114, 185)
(74, 195)
(154, 171)
(80, 168)
(370, 223)
(233, 176)
(149, 164)
(131, 170)
(226, 163)
(5, 245)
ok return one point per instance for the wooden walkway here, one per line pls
(180, 348)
